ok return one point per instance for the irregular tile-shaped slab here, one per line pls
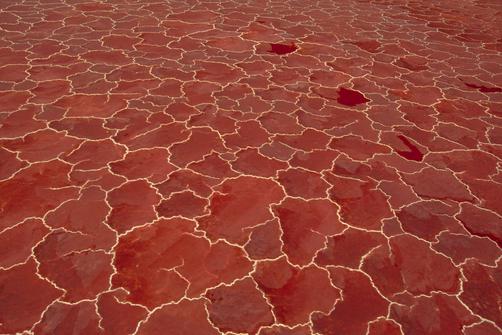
(277, 123)
(14, 73)
(118, 317)
(357, 148)
(155, 262)
(465, 137)
(238, 204)
(34, 191)
(348, 248)
(188, 317)
(213, 166)
(303, 183)
(73, 266)
(482, 290)
(316, 160)
(284, 330)
(80, 105)
(476, 164)
(461, 247)
(362, 205)
(384, 327)
(305, 226)
(239, 308)
(10, 164)
(199, 92)
(422, 95)
(106, 57)
(328, 78)
(426, 219)
(219, 121)
(416, 259)
(295, 293)
(163, 136)
(361, 304)
(265, 241)
(412, 265)
(384, 271)
(185, 204)
(482, 329)
(43, 145)
(487, 192)
(399, 194)
(87, 128)
(218, 73)
(377, 168)
(120, 42)
(92, 155)
(86, 215)
(277, 150)
(481, 222)
(133, 204)
(249, 134)
(152, 164)
(437, 184)
(420, 315)
(24, 297)
(49, 91)
(202, 142)
(309, 140)
(328, 117)
(250, 161)
(181, 111)
(233, 44)
(67, 319)
(24, 236)
(11, 101)
(101, 177)
(183, 180)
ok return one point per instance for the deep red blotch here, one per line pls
(413, 154)
(485, 89)
(282, 49)
(349, 97)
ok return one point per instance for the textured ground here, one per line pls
(251, 167)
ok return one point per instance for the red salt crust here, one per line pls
(282, 168)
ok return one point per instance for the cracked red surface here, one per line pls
(268, 168)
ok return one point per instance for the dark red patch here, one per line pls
(282, 49)
(413, 154)
(485, 89)
(350, 98)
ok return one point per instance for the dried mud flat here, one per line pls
(250, 167)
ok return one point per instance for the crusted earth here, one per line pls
(251, 167)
